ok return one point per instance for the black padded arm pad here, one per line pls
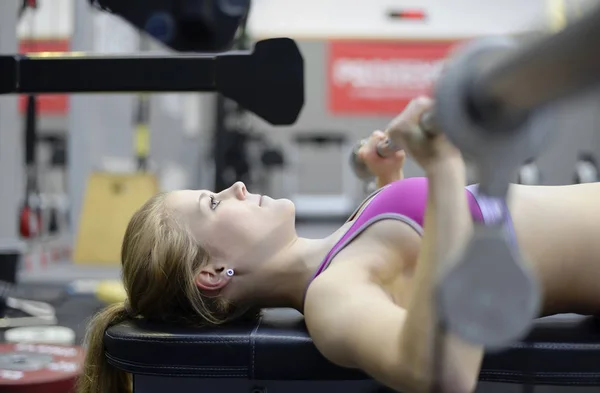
(561, 350)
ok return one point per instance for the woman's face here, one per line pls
(235, 224)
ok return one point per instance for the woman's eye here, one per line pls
(214, 203)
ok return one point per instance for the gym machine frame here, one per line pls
(267, 80)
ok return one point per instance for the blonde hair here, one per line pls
(160, 259)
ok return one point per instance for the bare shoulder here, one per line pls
(354, 296)
(343, 314)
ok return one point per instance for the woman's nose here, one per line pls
(239, 190)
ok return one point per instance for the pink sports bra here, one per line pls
(403, 200)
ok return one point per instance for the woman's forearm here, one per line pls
(382, 181)
(448, 226)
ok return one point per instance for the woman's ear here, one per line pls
(211, 278)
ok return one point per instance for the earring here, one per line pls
(230, 272)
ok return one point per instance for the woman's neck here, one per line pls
(285, 278)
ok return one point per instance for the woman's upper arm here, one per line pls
(360, 329)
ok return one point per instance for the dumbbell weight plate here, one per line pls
(491, 296)
(33, 368)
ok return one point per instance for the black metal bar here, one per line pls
(538, 74)
(8, 74)
(268, 80)
(94, 74)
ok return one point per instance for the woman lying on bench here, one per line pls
(201, 258)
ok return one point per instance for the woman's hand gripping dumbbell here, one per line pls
(382, 154)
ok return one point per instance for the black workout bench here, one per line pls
(276, 354)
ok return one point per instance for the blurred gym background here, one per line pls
(88, 161)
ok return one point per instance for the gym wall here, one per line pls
(368, 19)
(12, 178)
(53, 19)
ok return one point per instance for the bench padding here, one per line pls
(561, 350)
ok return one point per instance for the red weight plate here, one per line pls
(39, 368)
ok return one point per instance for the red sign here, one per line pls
(375, 78)
(48, 104)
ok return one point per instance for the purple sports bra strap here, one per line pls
(334, 250)
(356, 226)
(497, 213)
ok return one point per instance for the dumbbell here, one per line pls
(387, 147)
(496, 142)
